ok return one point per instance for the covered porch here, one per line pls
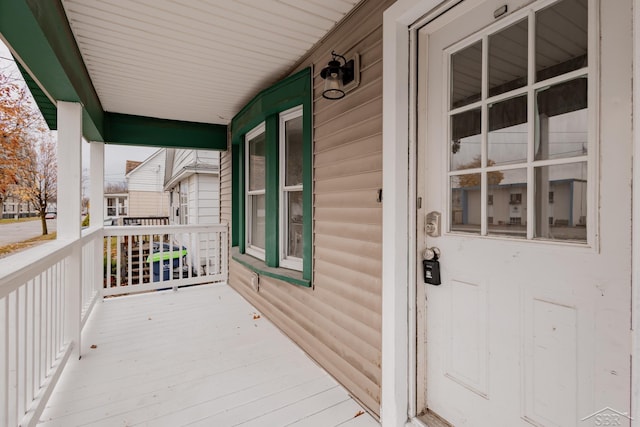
(149, 360)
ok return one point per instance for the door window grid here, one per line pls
(480, 174)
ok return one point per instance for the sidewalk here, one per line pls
(20, 231)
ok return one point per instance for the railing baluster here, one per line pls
(4, 393)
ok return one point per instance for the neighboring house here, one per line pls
(13, 207)
(192, 178)
(146, 194)
(337, 207)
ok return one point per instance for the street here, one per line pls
(20, 231)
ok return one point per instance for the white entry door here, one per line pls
(524, 142)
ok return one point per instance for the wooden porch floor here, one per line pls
(199, 357)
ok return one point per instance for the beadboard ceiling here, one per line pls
(194, 60)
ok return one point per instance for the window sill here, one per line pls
(258, 266)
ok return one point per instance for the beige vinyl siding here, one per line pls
(148, 203)
(338, 321)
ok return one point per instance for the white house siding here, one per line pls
(338, 322)
(148, 203)
(149, 176)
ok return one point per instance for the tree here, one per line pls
(473, 180)
(37, 181)
(116, 187)
(19, 122)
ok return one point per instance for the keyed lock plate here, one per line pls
(432, 224)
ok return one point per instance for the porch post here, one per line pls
(69, 211)
(96, 210)
(96, 198)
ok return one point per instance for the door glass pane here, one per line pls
(561, 120)
(508, 131)
(561, 202)
(257, 237)
(294, 222)
(507, 203)
(561, 38)
(508, 59)
(256, 163)
(466, 75)
(465, 140)
(293, 144)
(465, 203)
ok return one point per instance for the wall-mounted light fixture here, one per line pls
(340, 77)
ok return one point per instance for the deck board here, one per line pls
(201, 356)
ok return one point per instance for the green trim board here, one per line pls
(266, 107)
(40, 36)
(47, 109)
(257, 266)
(283, 95)
(148, 131)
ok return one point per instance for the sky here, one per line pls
(115, 155)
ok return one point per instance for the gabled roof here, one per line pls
(141, 165)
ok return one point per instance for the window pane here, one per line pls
(561, 125)
(256, 163)
(466, 75)
(293, 144)
(508, 59)
(465, 140)
(257, 237)
(507, 203)
(508, 131)
(561, 202)
(465, 203)
(294, 224)
(561, 38)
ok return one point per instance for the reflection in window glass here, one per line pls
(561, 38)
(561, 125)
(508, 59)
(508, 131)
(293, 144)
(466, 75)
(258, 211)
(256, 163)
(561, 202)
(294, 222)
(507, 212)
(465, 140)
(465, 203)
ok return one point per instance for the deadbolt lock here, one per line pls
(432, 224)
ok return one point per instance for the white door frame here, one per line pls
(398, 314)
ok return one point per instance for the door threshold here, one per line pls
(430, 419)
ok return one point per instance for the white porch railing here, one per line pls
(37, 309)
(146, 258)
(47, 294)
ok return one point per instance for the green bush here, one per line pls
(85, 221)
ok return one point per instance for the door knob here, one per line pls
(431, 253)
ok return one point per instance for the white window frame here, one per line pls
(183, 202)
(250, 249)
(590, 71)
(286, 261)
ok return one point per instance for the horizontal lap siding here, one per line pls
(338, 322)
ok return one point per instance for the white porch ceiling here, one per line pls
(194, 60)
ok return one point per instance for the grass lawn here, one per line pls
(16, 247)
